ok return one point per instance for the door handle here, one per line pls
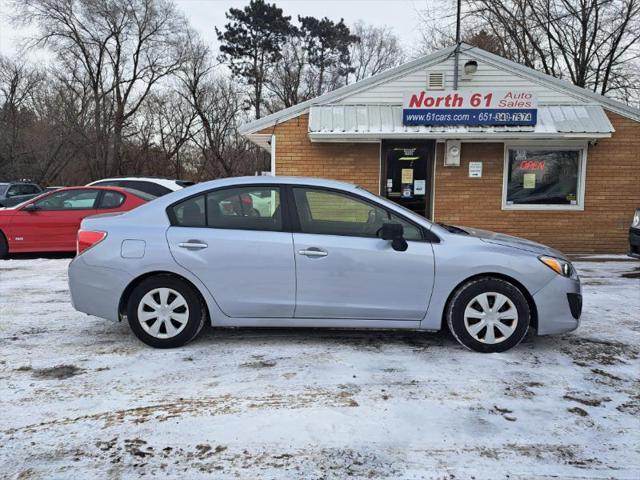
(193, 245)
(313, 252)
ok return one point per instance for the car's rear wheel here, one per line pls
(165, 311)
(488, 315)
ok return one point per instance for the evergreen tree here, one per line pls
(327, 45)
(251, 43)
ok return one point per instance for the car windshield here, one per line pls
(3, 188)
(29, 200)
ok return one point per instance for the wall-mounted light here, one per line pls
(470, 67)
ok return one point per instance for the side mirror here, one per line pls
(394, 232)
(30, 208)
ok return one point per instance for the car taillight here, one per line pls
(88, 239)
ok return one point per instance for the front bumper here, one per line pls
(96, 290)
(634, 242)
(559, 306)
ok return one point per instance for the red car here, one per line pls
(50, 222)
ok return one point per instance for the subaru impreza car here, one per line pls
(317, 253)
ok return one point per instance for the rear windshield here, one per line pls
(143, 195)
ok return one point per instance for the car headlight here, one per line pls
(561, 267)
(636, 219)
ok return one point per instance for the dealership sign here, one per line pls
(470, 107)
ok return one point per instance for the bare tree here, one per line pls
(377, 49)
(594, 44)
(169, 127)
(291, 80)
(217, 102)
(36, 140)
(122, 48)
(19, 84)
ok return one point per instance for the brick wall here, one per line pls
(612, 193)
(349, 162)
(612, 185)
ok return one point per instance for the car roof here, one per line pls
(165, 182)
(268, 179)
(92, 187)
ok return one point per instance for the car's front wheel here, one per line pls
(165, 311)
(4, 246)
(488, 315)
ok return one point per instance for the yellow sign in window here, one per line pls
(529, 180)
(407, 175)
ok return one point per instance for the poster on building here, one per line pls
(529, 180)
(420, 187)
(406, 180)
(475, 169)
(407, 175)
(470, 107)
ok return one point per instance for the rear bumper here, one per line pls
(96, 290)
(634, 242)
(559, 306)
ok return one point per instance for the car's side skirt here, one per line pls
(316, 323)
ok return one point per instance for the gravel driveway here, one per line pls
(80, 397)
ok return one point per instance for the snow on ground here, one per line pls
(80, 397)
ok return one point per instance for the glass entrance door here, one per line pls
(407, 178)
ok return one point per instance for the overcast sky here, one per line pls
(400, 15)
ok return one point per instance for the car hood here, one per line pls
(514, 242)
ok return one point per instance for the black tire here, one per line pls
(455, 314)
(197, 312)
(4, 246)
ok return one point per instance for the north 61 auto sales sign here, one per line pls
(470, 107)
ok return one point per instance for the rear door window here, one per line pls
(244, 208)
(189, 213)
(31, 189)
(111, 199)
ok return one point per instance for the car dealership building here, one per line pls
(503, 148)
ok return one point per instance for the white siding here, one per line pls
(488, 76)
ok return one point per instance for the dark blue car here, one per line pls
(13, 193)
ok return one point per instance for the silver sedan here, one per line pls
(302, 252)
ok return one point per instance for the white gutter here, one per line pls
(476, 136)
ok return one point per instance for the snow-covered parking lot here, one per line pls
(80, 397)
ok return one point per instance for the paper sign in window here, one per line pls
(529, 180)
(407, 175)
(419, 187)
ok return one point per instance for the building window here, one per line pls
(544, 178)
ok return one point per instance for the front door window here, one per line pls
(69, 200)
(332, 213)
